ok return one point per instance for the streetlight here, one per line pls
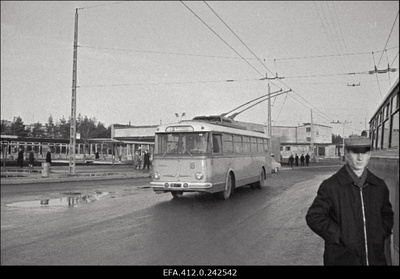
(177, 115)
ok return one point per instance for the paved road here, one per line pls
(122, 222)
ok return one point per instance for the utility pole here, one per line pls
(312, 147)
(344, 123)
(269, 106)
(72, 139)
(269, 118)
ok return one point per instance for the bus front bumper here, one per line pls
(162, 187)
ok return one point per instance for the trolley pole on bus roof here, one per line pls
(72, 139)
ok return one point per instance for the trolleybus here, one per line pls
(209, 154)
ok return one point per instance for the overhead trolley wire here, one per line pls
(237, 37)
(100, 5)
(229, 57)
(331, 55)
(394, 59)
(327, 29)
(376, 74)
(391, 30)
(165, 83)
(212, 30)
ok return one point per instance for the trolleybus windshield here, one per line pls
(182, 143)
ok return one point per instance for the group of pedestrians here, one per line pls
(142, 161)
(31, 162)
(294, 160)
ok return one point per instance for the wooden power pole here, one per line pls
(72, 139)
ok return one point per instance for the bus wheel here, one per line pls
(177, 194)
(228, 189)
(262, 180)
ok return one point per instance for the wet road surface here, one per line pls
(123, 222)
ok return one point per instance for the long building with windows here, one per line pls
(384, 161)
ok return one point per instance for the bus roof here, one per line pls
(205, 126)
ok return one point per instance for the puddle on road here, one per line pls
(70, 200)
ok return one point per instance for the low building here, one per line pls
(299, 140)
(132, 139)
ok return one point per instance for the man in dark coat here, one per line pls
(352, 211)
(48, 156)
(291, 159)
(146, 160)
(20, 159)
(302, 159)
(307, 159)
(31, 159)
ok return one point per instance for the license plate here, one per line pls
(175, 185)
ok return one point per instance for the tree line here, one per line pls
(87, 127)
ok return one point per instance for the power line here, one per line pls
(221, 38)
(237, 37)
(388, 37)
(342, 36)
(376, 74)
(216, 81)
(161, 52)
(259, 59)
(230, 29)
(166, 83)
(328, 55)
(261, 62)
(101, 5)
(394, 58)
(329, 75)
(229, 57)
(340, 46)
(327, 29)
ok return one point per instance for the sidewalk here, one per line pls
(16, 175)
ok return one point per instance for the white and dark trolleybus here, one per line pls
(212, 154)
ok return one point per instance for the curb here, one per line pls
(77, 178)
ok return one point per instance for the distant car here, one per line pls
(275, 166)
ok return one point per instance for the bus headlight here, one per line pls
(199, 175)
(156, 175)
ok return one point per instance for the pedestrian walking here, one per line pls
(307, 159)
(352, 211)
(296, 160)
(31, 160)
(20, 159)
(48, 156)
(302, 159)
(291, 159)
(136, 160)
(146, 160)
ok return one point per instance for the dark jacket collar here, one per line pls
(345, 178)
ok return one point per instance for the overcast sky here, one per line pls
(142, 62)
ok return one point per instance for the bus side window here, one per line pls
(217, 139)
